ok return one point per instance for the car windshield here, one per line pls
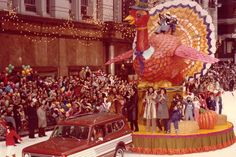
(71, 131)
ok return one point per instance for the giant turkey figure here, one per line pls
(159, 57)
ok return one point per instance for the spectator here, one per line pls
(10, 142)
(9, 118)
(219, 101)
(32, 119)
(82, 73)
(132, 99)
(17, 117)
(123, 72)
(42, 120)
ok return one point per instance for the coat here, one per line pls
(132, 107)
(31, 112)
(162, 109)
(10, 135)
(42, 119)
(150, 107)
(211, 104)
(176, 115)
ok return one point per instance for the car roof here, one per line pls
(91, 119)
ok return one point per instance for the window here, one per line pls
(116, 126)
(48, 6)
(71, 131)
(98, 133)
(84, 7)
(30, 5)
(126, 7)
(229, 46)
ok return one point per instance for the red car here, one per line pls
(85, 136)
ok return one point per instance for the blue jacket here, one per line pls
(176, 115)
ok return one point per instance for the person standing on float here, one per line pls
(150, 109)
(162, 110)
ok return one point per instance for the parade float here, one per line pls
(175, 41)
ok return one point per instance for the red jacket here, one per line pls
(10, 137)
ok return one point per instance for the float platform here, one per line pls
(204, 140)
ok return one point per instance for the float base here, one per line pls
(205, 140)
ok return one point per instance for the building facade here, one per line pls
(227, 30)
(61, 36)
(105, 10)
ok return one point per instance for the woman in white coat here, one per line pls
(150, 109)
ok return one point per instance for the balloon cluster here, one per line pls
(10, 68)
(27, 70)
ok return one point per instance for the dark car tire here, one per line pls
(119, 151)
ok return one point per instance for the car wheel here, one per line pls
(119, 151)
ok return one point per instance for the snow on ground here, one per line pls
(229, 108)
(26, 142)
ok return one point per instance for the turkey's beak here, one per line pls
(130, 19)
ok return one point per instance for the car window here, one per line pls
(118, 125)
(98, 133)
(71, 131)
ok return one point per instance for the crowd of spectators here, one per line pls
(221, 76)
(22, 97)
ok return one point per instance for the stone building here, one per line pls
(61, 36)
(227, 30)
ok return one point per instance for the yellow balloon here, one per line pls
(23, 72)
(27, 70)
(68, 105)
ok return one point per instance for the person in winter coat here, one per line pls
(162, 110)
(211, 102)
(176, 99)
(133, 109)
(42, 120)
(17, 117)
(10, 142)
(176, 116)
(197, 105)
(31, 113)
(219, 100)
(150, 109)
